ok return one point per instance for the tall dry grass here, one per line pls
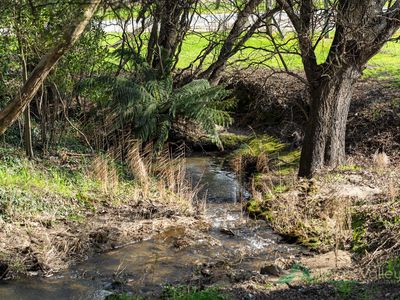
(162, 175)
(103, 170)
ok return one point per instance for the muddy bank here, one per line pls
(222, 248)
(43, 247)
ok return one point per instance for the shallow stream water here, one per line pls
(145, 267)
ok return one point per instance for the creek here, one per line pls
(235, 247)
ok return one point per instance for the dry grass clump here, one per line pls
(321, 223)
(377, 236)
(103, 170)
(161, 176)
(381, 160)
(156, 177)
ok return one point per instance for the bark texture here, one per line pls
(324, 142)
(171, 21)
(362, 27)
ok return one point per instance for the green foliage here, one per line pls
(295, 270)
(350, 168)
(151, 108)
(31, 188)
(180, 293)
(192, 293)
(259, 209)
(262, 144)
(358, 244)
(27, 189)
(349, 289)
(123, 297)
(281, 157)
(233, 141)
(392, 269)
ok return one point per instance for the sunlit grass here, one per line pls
(384, 65)
(29, 188)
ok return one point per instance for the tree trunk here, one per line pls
(166, 38)
(336, 144)
(151, 49)
(11, 112)
(324, 142)
(28, 132)
(27, 112)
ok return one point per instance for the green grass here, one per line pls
(384, 65)
(297, 272)
(192, 293)
(206, 7)
(32, 188)
(347, 289)
(180, 293)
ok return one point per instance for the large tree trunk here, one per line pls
(361, 29)
(324, 142)
(335, 153)
(11, 112)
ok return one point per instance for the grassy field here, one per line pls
(383, 66)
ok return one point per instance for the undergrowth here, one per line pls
(180, 293)
(192, 293)
(29, 188)
(293, 207)
(265, 154)
(69, 186)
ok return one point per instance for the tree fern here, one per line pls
(151, 108)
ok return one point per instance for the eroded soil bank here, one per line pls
(221, 248)
(44, 249)
(224, 249)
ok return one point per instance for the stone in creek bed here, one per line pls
(271, 269)
(206, 272)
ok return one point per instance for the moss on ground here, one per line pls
(258, 209)
(260, 145)
(232, 141)
(265, 152)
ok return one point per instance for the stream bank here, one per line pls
(225, 248)
(220, 247)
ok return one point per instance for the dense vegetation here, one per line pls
(107, 97)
